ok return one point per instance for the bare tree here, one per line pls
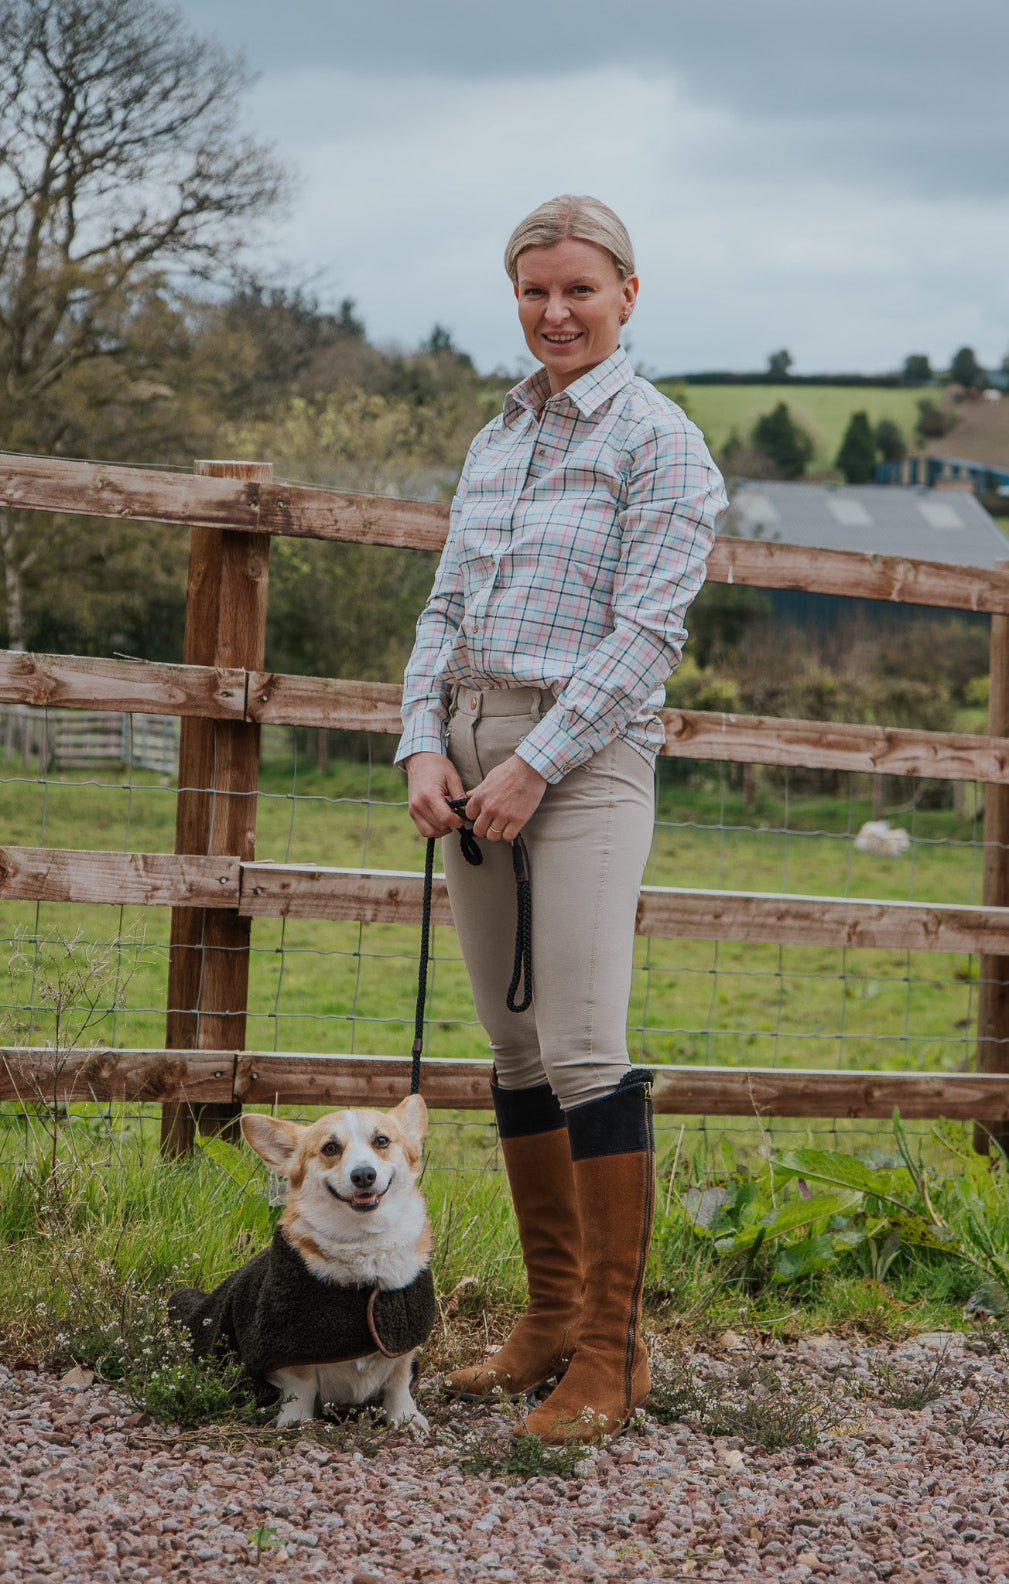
(121, 165)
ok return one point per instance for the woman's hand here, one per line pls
(505, 800)
(433, 779)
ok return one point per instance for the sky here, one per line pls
(831, 179)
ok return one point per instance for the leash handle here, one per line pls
(523, 968)
(473, 855)
(425, 957)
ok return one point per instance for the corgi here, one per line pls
(336, 1308)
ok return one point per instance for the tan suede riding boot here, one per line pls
(537, 1156)
(614, 1165)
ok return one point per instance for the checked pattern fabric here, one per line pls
(578, 538)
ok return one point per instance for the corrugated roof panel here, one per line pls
(849, 513)
(940, 514)
(758, 509)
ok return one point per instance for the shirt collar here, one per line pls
(587, 394)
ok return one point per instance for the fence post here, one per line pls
(993, 972)
(208, 963)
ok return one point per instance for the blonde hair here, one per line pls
(581, 217)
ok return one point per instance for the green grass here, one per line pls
(95, 1227)
(96, 1230)
(323, 986)
(822, 409)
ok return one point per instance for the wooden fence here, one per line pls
(76, 739)
(215, 888)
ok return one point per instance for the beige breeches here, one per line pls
(588, 844)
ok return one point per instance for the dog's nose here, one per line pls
(363, 1176)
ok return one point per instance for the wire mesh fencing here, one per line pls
(331, 986)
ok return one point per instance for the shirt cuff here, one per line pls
(423, 733)
(553, 751)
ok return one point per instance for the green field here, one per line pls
(320, 986)
(824, 410)
(130, 1226)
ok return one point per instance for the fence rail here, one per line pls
(212, 882)
(184, 500)
(277, 699)
(389, 896)
(33, 1074)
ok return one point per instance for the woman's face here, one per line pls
(571, 303)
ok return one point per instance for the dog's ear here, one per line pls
(411, 1114)
(273, 1138)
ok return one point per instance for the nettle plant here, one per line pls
(811, 1210)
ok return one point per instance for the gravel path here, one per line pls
(90, 1490)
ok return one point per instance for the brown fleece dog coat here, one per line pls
(274, 1312)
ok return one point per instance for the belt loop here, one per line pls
(536, 707)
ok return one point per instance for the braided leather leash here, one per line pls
(522, 972)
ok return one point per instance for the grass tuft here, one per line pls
(758, 1404)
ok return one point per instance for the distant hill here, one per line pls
(982, 434)
(822, 409)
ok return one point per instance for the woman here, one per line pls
(578, 539)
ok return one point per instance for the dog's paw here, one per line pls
(409, 1419)
(292, 1413)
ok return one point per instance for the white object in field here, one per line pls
(877, 837)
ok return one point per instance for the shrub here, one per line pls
(784, 441)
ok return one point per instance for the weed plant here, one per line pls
(828, 1230)
(757, 1403)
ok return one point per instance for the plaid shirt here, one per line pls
(578, 538)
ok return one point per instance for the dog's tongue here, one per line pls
(366, 1198)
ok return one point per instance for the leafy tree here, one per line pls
(857, 456)
(440, 344)
(720, 619)
(298, 347)
(778, 365)
(121, 163)
(917, 369)
(890, 441)
(965, 370)
(349, 610)
(933, 421)
(784, 441)
(348, 321)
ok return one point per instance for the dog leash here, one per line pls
(522, 971)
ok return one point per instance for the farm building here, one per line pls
(937, 525)
(940, 470)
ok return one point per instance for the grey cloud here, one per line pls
(905, 92)
(804, 55)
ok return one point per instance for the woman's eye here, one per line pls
(380, 1141)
